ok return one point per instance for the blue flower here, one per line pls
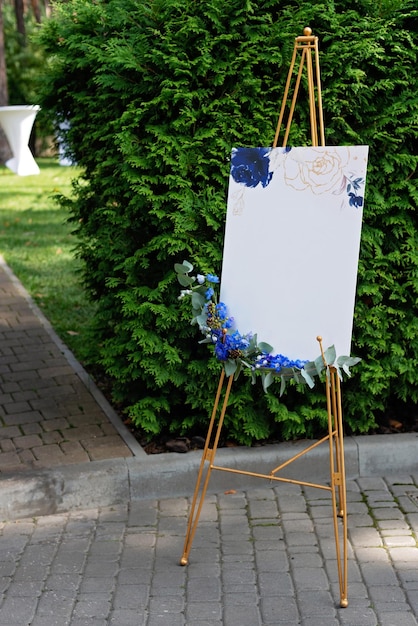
(221, 351)
(355, 201)
(221, 310)
(209, 293)
(250, 166)
(228, 323)
(278, 362)
(211, 278)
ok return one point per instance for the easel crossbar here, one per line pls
(271, 477)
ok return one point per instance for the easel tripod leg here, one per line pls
(339, 506)
(208, 455)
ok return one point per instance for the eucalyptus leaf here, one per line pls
(282, 385)
(319, 364)
(346, 369)
(230, 367)
(312, 369)
(348, 360)
(239, 369)
(297, 377)
(201, 319)
(309, 380)
(253, 343)
(338, 370)
(183, 268)
(198, 301)
(330, 355)
(267, 380)
(265, 347)
(184, 280)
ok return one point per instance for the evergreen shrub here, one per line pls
(156, 93)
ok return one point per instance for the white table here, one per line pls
(17, 122)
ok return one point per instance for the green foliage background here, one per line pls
(157, 92)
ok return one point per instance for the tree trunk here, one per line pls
(36, 10)
(20, 18)
(5, 152)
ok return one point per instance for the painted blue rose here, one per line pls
(353, 187)
(250, 166)
(355, 201)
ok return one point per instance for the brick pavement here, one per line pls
(264, 557)
(48, 414)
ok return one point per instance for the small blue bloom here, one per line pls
(355, 201)
(209, 293)
(211, 278)
(250, 166)
(221, 351)
(221, 310)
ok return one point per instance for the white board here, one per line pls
(292, 244)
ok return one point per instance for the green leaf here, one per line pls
(230, 367)
(282, 385)
(309, 380)
(201, 319)
(198, 301)
(239, 368)
(253, 343)
(267, 380)
(183, 268)
(185, 281)
(319, 364)
(265, 347)
(330, 355)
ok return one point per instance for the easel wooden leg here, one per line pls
(337, 472)
(208, 455)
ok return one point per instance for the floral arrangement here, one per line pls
(237, 351)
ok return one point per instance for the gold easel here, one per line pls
(307, 44)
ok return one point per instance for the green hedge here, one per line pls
(157, 93)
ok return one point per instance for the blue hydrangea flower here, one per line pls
(211, 278)
(277, 362)
(209, 293)
(250, 166)
(221, 310)
(221, 351)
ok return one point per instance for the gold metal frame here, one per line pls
(308, 45)
(337, 487)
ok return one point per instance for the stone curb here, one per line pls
(115, 481)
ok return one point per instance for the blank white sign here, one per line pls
(292, 244)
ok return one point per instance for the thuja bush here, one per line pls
(156, 93)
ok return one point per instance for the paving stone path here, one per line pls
(49, 413)
(259, 558)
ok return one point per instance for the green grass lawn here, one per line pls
(36, 242)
